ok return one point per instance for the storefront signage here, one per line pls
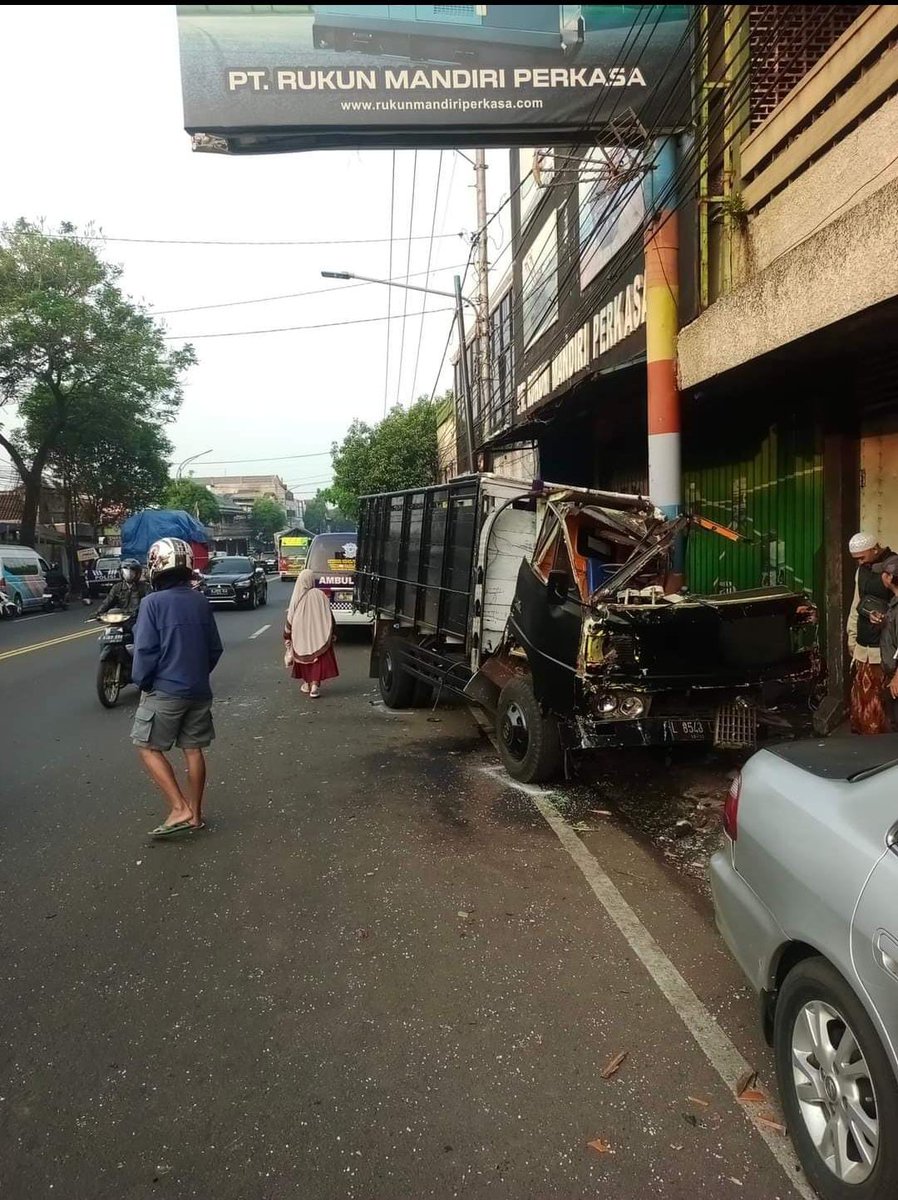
(606, 328)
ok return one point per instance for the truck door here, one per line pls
(548, 628)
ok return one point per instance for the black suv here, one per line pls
(235, 580)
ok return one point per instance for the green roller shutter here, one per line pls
(768, 486)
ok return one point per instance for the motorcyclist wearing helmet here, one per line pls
(176, 647)
(127, 592)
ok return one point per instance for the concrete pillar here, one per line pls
(662, 289)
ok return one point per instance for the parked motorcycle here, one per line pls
(116, 656)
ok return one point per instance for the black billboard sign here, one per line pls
(263, 78)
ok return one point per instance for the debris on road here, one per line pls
(745, 1080)
(699, 1102)
(600, 1146)
(775, 1126)
(611, 1068)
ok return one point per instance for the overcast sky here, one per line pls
(92, 119)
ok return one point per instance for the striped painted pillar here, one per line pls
(662, 246)
(662, 287)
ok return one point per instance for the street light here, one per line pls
(187, 461)
(460, 301)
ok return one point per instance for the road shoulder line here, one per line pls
(713, 1042)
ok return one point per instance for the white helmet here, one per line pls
(166, 555)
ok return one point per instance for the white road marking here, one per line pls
(259, 632)
(710, 1038)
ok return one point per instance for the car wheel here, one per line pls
(529, 739)
(397, 687)
(838, 1089)
(263, 597)
(20, 606)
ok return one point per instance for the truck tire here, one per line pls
(397, 687)
(529, 739)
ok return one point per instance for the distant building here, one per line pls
(245, 490)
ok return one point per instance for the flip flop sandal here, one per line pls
(314, 695)
(197, 828)
(167, 830)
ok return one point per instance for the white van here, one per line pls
(22, 581)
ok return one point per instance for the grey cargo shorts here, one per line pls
(162, 721)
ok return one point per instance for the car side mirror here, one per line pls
(559, 586)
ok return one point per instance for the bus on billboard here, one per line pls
(263, 78)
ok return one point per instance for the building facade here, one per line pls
(785, 192)
(790, 370)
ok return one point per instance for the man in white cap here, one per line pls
(865, 622)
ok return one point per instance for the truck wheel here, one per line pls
(529, 740)
(397, 687)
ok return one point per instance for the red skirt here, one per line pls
(322, 668)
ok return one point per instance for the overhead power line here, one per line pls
(96, 237)
(231, 462)
(390, 276)
(193, 337)
(338, 287)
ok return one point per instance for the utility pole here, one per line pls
(483, 284)
(463, 374)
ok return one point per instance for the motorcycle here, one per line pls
(56, 596)
(116, 656)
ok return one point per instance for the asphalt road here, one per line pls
(380, 974)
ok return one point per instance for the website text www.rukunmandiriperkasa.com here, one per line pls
(445, 105)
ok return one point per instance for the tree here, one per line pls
(70, 340)
(194, 498)
(398, 452)
(267, 518)
(321, 517)
(110, 459)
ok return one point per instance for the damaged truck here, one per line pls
(555, 610)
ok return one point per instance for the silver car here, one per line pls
(806, 896)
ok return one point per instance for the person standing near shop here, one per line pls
(869, 713)
(888, 644)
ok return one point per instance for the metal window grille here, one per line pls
(785, 41)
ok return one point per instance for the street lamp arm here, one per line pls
(189, 460)
(407, 287)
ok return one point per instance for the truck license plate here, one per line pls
(690, 729)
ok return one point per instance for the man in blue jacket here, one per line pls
(176, 647)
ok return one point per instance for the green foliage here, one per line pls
(398, 452)
(79, 364)
(321, 517)
(194, 498)
(267, 518)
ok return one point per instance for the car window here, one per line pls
(20, 566)
(332, 552)
(230, 566)
(108, 564)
